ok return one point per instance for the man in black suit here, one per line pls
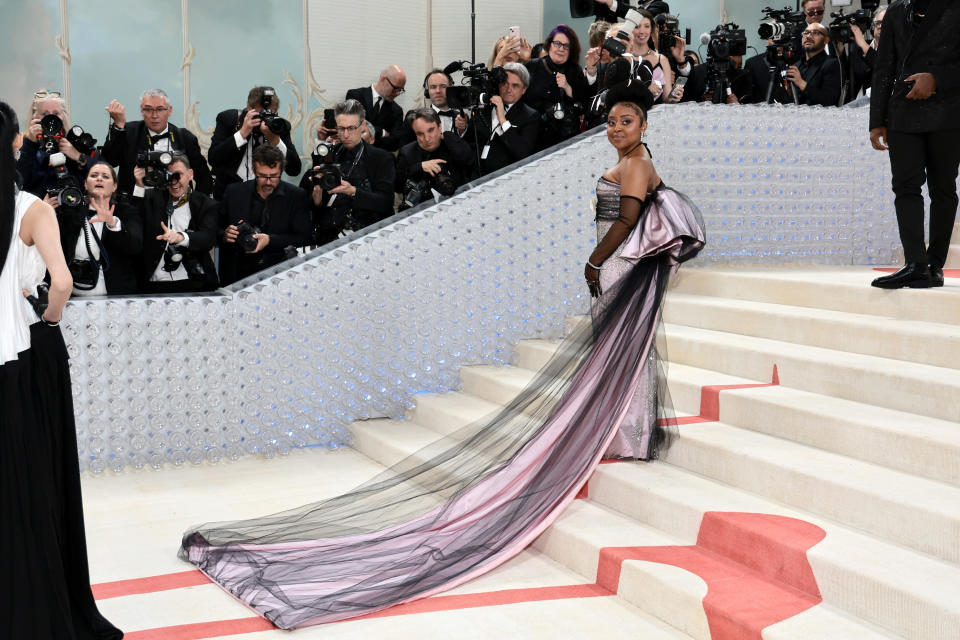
(179, 231)
(507, 128)
(914, 104)
(277, 212)
(365, 193)
(153, 133)
(817, 77)
(239, 132)
(383, 113)
(434, 153)
(612, 10)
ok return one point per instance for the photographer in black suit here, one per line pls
(817, 77)
(154, 133)
(914, 104)
(382, 112)
(239, 132)
(179, 230)
(507, 129)
(266, 219)
(364, 193)
(441, 160)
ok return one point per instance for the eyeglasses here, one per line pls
(564, 46)
(152, 110)
(267, 177)
(397, 90)
(349, 129)
(47, 94)
(815, 32)
(815, 12)
(877, 24)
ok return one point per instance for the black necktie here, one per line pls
(376, 108)
(160, 136)
(449, 114)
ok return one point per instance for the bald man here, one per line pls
(817, 77)
(382, 112)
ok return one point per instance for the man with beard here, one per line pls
(817, 77)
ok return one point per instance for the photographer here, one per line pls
(125, 140)
(179, 231)
(101, 237)
(506, 129)
(862, 58)
(817, 77)
(705, 78)
(266, 219)
(557, 87)
(436, 161)
(382, 112)
(239, 132)
(914, 103)
(611, 10)
(360, 178)
(435, 86)
(42, 154)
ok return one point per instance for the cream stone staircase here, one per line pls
(814, 488)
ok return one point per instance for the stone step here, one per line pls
(923, 446)
(445, 413)
(837, 288)
(901, 590)
(915, 512)
(904, 386)
(924, 342)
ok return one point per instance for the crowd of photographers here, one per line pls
(147, 212)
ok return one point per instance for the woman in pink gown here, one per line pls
(471, 501)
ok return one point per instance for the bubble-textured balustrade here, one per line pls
(354, 331)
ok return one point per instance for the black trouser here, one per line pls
(930, 157)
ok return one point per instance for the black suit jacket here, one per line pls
(225, 156)
(822, 74)
(288, 225)
(121, 147)
(202, 231)
(123, 247)
(389, 120)
(517, 143)
(461, 161)
(904, 50)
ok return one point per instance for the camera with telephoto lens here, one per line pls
(66, 190)
(326, 172)
(155, 164)
(268, 116)
(840, 30)
(727, 40)
(51, 131)
(783, 27)
(82, 141)
(245, 233)
(481, 84)
(669, 28)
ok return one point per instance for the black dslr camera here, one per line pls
(783, 27)
(863, 18)
(326, 172)
(245, 233)
(174, 257)
(66, 190)
(81, 140)
(669, 27)
(416, 191)
(51, 131)
(155, 163)
(480, 85)
(268, 116)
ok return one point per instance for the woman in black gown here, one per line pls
(46, 591)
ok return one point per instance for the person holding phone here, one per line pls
(237, 135)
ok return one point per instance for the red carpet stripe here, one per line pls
(166, 582)
(239, 626)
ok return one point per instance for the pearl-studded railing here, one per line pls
(291, 357)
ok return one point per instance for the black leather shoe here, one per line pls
(914, 275)
(936, 276)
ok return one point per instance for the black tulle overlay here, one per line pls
(47, 591)
(472, 500)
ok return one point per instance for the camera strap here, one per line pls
(88, 229)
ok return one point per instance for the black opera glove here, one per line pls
(630, 209)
